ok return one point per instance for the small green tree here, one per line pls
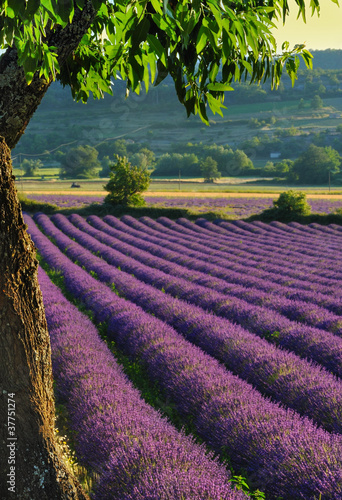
(126, 183)
(31, 167)
(283, 166)
(316, 102)
(209, 169)
(289, 206)
(313, 165)
(80, 163)
(292, 203)
(106, 163)
(144, 158)
(301, 104)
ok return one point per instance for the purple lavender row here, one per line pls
(243, 275)
(178, 254)
(283, 454)
(273, 268)
(293, 309)
(325, 229)
(287, 248)
(235, 232)
(187, 230)
(242, 206)
(279, 274)
(299, 310)
(114, 425)
(287, 233)
(250, 357)
(239, 263)
(331, 303)
(328, 230)
(323, 266)
(66, 201)
(319, 269)
(254, 248)
(312, 230)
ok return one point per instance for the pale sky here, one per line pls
(319, 33)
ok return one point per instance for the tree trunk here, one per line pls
(30, 464)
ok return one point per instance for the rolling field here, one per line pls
(238, 324)
(230, 206)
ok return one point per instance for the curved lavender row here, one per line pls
(291, 229)
(273, 269)
(333, 304)
(294, 309)
(325, 229)
(113, 423)
(328, 230)
(328, 267)
(279, 274)
(227, 281)
(295, 382)
(287, 455)
(241, 252)
(308, 229)
(186, 228)
(239, 263)
(284, 247)
(285, 231)
(335, 227)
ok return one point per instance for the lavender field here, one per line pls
(237, 207)
(239, 324)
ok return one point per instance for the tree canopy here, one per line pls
(314, 165)
(202, 44)
(126, 183)
(80, 163)
(209, 169)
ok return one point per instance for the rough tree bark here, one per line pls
(26, 391)
(30, 466)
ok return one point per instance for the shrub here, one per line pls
(292, 203)
(126, 183)
(209, 169)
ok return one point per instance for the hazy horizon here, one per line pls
(318, 33)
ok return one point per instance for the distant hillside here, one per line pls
(327, 59)
(159, 120)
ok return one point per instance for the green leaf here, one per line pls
(152, 62)
(140, 32)
(215, 105)
(247, 65)
(15, 8)
(202, 39)
(157, 47)
(30, 66)
(219, 87)
(60, 12)
(162, 72)
(202, 112)
(157, 6)
(214, 71)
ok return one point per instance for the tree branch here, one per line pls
(18, 100)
